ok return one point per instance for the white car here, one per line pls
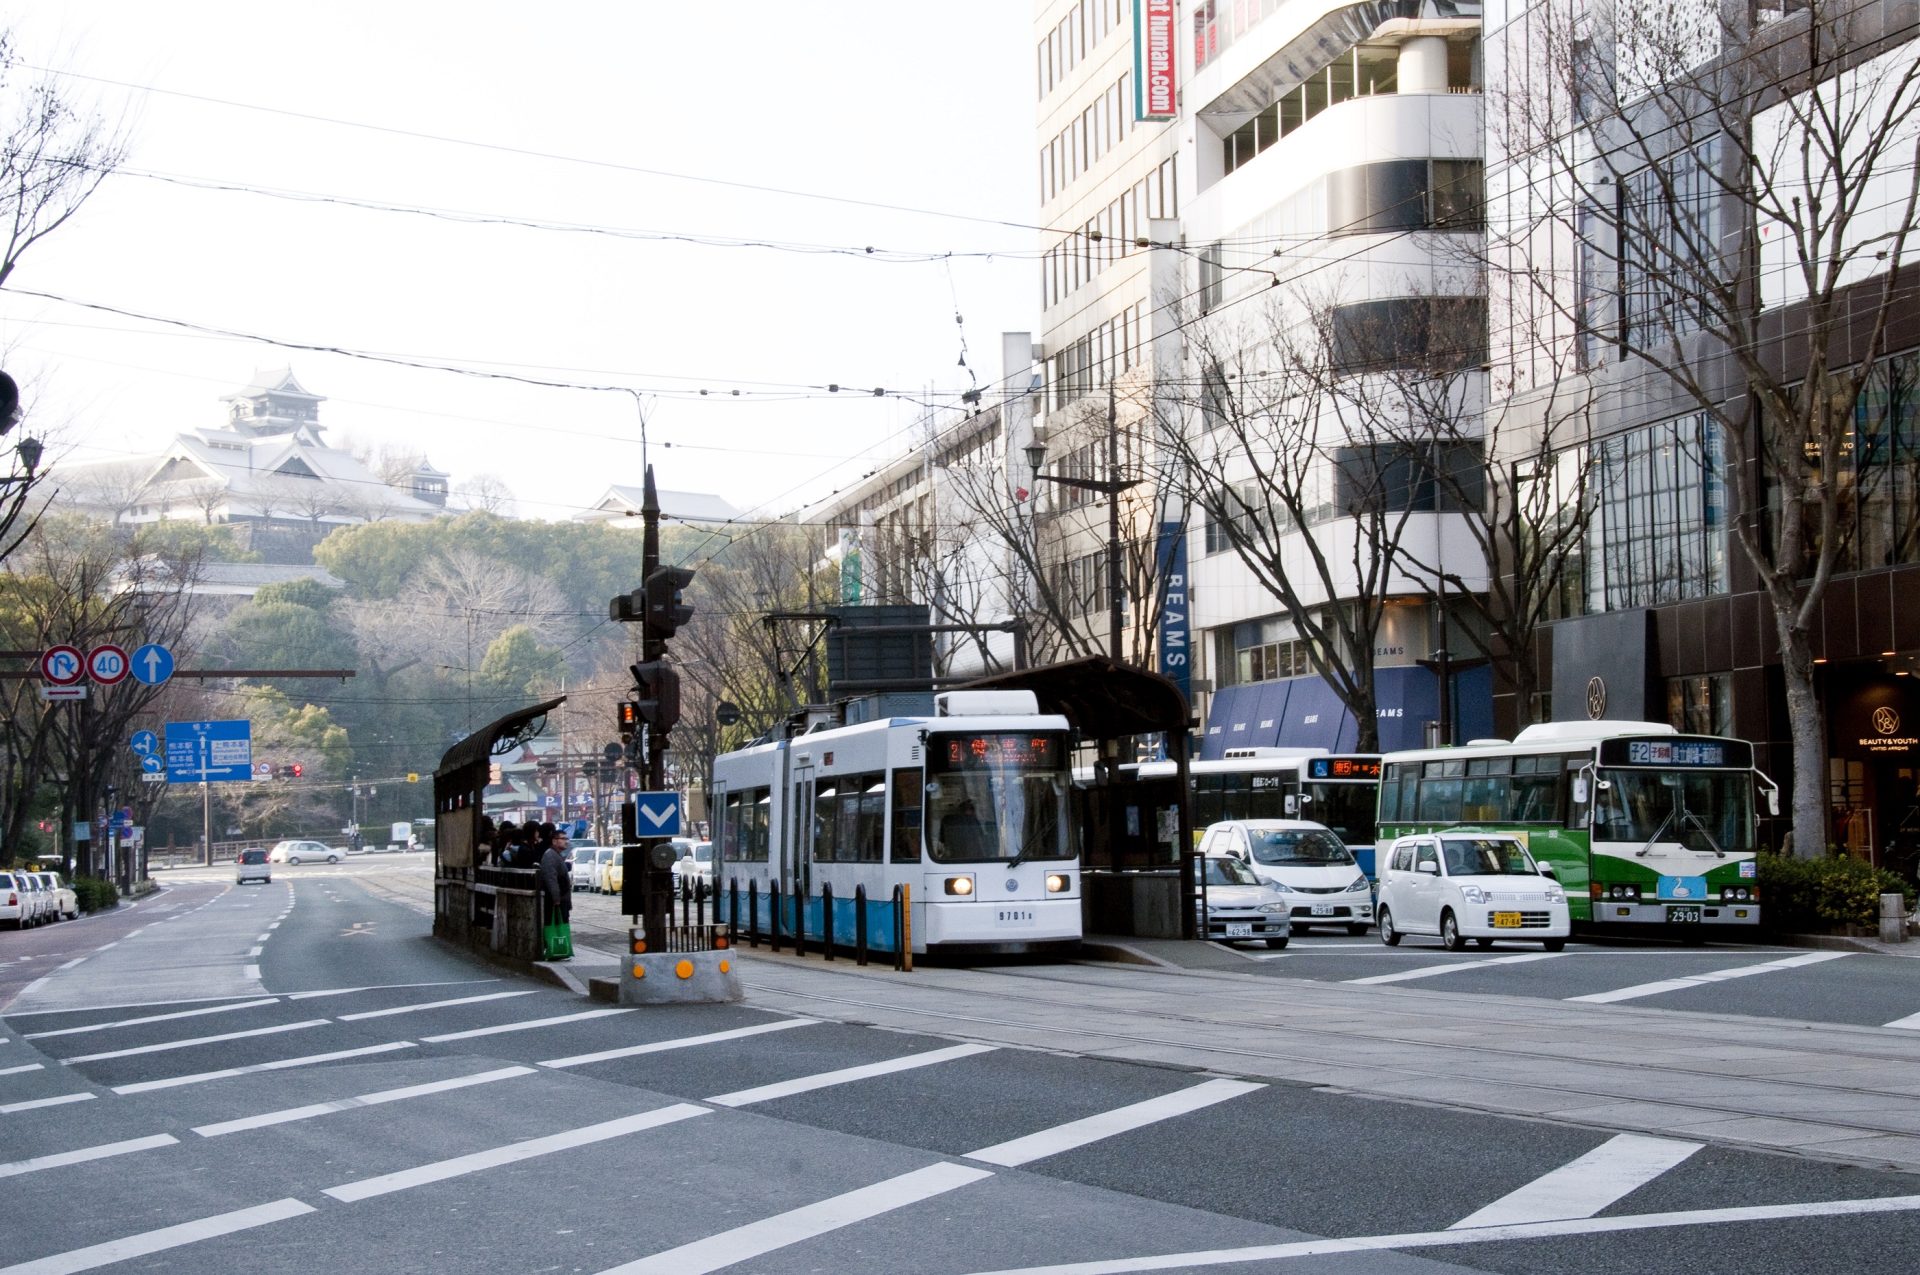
(39, 900)
(1304, 860)
(589, 866)
(252, 865)
(1465, 885)
(64, 904)
(16, 901)
(297, 852)
(695, 862)
(1236, 906)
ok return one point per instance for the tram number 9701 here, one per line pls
(1014, 916)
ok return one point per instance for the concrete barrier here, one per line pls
(680, 978)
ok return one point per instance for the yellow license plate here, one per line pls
(1506, 920)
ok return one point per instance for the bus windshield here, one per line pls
(1705, 810)
(997, 796)
(1308, 847)
(1349, 809)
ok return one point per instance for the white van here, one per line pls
(1304, 860)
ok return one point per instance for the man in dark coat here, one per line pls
(556, 878)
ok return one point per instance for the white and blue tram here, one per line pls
(968, 807)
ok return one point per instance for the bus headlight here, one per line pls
(960, 885)
(1058, 883)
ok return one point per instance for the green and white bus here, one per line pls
(1643, 826)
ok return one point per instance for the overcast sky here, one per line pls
(828, 127)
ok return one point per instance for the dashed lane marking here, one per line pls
(683, 1042)
(426, 1005)
(175, 1082)
(1080, 1133)
(192, 1041)
(379, 1098)
(1431, 971)
(103, 1151)
(97, 1255)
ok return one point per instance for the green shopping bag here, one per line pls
(558, 940)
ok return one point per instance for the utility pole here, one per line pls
(1111, 486)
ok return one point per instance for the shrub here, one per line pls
(1824, 894)
(94, 894)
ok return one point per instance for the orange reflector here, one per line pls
(639, 971)
(725, 966)
(639, 945)
(684, 969)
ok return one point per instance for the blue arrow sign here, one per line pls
(151, 765)
(145, 744)
(152, 664)
(656, 814)
(216, 752)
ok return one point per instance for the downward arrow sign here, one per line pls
(657, 820)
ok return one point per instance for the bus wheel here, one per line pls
(1450, 936)
(1388, 935)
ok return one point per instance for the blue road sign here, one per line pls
(144, 744)
(217, 752)
(152, 664)
(152, 765)
(656, 814)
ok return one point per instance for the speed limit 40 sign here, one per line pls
(107, 664)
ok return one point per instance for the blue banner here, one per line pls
(1176, 651)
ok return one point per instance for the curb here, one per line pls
(1846, 943)
(1121, 954)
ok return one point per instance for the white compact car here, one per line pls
(296, 852)
(1305, 861)
(1236, 906)
(16, 901)
(695, 862)
(1465, 885)
(65, 903)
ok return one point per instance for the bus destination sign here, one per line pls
(1680, 752)
(1358, 768)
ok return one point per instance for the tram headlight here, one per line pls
(960, 885)
(1058, 883)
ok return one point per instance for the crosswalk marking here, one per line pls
(1910, 1023)
(83, 1155)
(1079, 1133)
(198, 1078)
(1700, 980)
(150, 1018)
(206, 1228)
(191, 1041)
(14, 1071)
(411, 1009)
(756, 1239)
(440, 1170)
(526, 1025)
(1611, 1171)
(287, 1115)
(34, 1104)
(682, 1042)
(1429, 971)
(845, 1075)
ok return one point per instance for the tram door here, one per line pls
(796, 871)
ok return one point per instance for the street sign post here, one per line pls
(107, 664)
(152, 664)
(656, 814)
(213, 752)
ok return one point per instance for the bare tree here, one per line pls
(53, 156)
(1736, 183)
(486, 493)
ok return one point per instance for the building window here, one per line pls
(1439, 334)
(1667, 222)
(1659, 523)
(1701, 705)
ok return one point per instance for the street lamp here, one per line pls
(1111, 488)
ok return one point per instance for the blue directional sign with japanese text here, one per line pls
(656, 814)
(217, 752)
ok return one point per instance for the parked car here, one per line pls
(611, 872)
(66, 904)
(1236, 906)
(695, 862)
(252, 865)
(16, 901)
(296, 852)
(1304, 860)
(1465, 885)
(588, 864)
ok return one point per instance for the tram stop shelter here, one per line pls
(476, 903)
(1136, 843)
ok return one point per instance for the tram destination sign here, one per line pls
(1680, 752)
(994, 750)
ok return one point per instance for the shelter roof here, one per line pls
(1103, 698)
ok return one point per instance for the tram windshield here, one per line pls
(997, 796)
(1706, 810)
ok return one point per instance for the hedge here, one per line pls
(94, 894)
(1813, 895)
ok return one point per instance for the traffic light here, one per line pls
(666, 611)
(628, 607)
(629, 718)
(659, 702)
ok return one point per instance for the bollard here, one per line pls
(859, 925)
(799, 922)
(753, 912)
(1893, 918)
(773, 916)
(700, 895)
(899, 932)
(826, 921)
(733, 905)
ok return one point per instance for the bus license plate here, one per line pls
(1506, 920)
(1683, 916)
(1323, 909)
(1014, 916)
(1239, 929)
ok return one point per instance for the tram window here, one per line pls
(908, 789)
(862, 810)
(826, 811)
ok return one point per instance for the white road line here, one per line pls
(1611, 1171)
(70, 964)
(682, 1042)
(178, 1000)
(1701, 980)
(8, 1108)
(1484, 1235)
(409, 1009)
(250, 971)
(206, 1228)
(105, 1150)
(290, 1114)
(14, 1071)
(1910, 1023)
(846, 1075)
(796, 1225)
(175, 1082)
(150, 1018)
(104, 946)
(386, 987)
(440, 1170)
(527, 1025)
(1079, 1133)
(189, 1043)
(1429, 971)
